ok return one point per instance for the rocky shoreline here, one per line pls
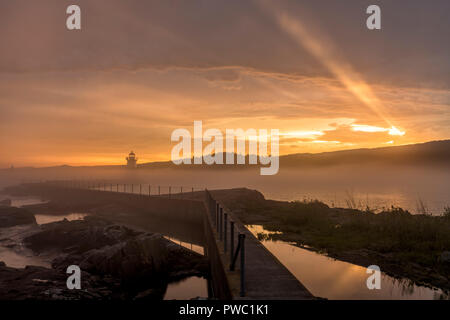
(342, 233)
(117, 262)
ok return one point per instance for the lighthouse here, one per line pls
(131, 160)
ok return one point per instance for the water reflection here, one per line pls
(189, 288)
(22, 201)
(21, 259)
(187, 245)
(333, 279)
(45, 218)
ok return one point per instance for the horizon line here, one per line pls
(236, 154)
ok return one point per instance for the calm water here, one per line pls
(187, 245)
(44, 218)
(187, 289)
(22, 201)
(375, 186)
(333, 279)
(22, 258)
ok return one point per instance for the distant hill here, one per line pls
(429, 153)
(435, 152)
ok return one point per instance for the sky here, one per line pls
(140, 69)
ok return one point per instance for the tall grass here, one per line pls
(421, 206)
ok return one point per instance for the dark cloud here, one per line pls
(412, 48)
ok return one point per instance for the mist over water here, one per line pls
(375, 186)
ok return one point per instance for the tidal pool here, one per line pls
(46, 218)
(333, 279)
(189, 288)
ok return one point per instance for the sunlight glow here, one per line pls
(341, 70)
(393, 131)
(302, 134)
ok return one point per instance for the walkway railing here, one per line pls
(131, 188)
(222, 221)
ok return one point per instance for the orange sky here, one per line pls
(127, 80)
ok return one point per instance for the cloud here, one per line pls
(139, 69)
(134, 35)
(393, 131)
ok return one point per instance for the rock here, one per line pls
(39, 283)
(445, 257)
(6, 202)
(78, 236)
(143, 257)
(12, 216)
(148, 294)
(140, 263)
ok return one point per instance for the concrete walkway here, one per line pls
(265, 276)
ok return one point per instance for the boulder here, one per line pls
(78, 236)
(445, 257)
(39, 283)
(12, 216)
(102, 248)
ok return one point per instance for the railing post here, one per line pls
(192, 191)
(140, 189)
(217, 217)
(132, 188)
(170, 191)
(225, 232)
(242, 239)
(231, 239)
(124, 188)
(159, 190)
(149, 190)
(221, 225)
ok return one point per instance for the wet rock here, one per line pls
(445, 257)
(78, 236)
(139, 264)
(142, 257)
(149, 294)
(12, 216)
(38, 283)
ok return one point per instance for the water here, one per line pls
(187, 245)
(375, 186)
(22, 201)
(13, 252)
(21, 259)
(334, 279)
(44, 218)
(187, 289)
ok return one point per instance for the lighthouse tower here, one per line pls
(131, 160)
